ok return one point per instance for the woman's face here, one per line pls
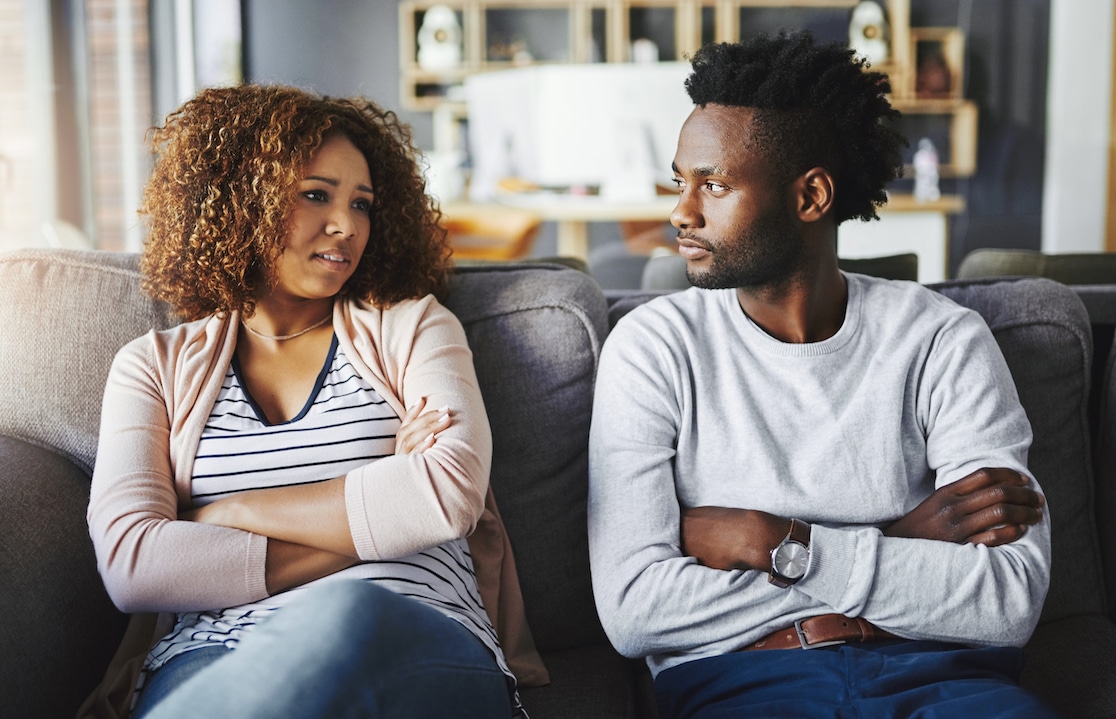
(329, 226)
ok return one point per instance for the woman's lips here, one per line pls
(333, 260)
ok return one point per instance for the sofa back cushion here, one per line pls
(64, 315)
(1043, 330)
(536, 333)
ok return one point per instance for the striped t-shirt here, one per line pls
(344, 424)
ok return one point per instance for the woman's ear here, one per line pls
(813, 194)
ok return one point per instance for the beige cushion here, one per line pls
(58, 343)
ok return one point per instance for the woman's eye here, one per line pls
(363, 206)
(315, 195)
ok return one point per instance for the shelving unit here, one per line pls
(498, 34)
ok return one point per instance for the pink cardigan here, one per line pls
(160, 391)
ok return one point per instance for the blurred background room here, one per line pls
(548, 125)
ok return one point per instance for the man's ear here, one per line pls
(813, 194)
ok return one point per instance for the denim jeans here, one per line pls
(884, 679)
(345, 649)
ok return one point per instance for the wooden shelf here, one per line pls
(602, 31)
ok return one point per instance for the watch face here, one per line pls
(790, 560)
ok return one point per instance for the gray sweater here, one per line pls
(696, 405)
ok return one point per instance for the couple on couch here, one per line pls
(788, 457)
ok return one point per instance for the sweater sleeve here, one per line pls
(923, 589)
(403, 504)
(148, 560)
(653, 600)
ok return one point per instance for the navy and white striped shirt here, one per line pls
(344, 424)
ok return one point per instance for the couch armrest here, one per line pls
(58, 622)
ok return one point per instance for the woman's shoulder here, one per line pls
(159, 349)
(411, 313)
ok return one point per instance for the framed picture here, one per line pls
(939, 57)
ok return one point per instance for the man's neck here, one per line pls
(809, 307)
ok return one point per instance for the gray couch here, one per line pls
(536, 332)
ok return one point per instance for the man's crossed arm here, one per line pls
(991, 506)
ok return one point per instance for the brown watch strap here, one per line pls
(800, 532)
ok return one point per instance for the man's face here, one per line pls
(735, 226)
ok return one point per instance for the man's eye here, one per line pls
(715, 187)
(679, 183)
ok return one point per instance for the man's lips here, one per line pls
(692, 249)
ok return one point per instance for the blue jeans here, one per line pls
(343, 649)
(883, 679)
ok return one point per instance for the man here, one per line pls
(787, 455)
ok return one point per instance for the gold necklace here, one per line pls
(280, 338)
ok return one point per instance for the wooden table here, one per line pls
(573, 214)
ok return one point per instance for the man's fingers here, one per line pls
(987, 477)
(1000, 494)
(1000, 535)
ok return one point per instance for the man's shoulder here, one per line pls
(906, 302)
(677, 307)
(673, 320)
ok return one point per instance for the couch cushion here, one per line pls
(592, 682)
(1043, 330)
(65, 313)
(535, 333)
(58, 624)
(1069, 664)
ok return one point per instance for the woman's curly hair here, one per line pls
(816, 106)
(227, 168)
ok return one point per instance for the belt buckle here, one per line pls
(805, 645)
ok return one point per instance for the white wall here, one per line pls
(1078, 100)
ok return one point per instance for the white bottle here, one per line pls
(926, 172)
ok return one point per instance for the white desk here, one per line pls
(905, 226)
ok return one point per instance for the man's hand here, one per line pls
(991, 506)
(726, 538)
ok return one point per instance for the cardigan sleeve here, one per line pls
(403, 504)
(148, 560)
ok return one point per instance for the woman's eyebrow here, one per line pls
(335, 183)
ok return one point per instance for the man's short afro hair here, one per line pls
(817, 106)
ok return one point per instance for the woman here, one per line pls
(291, 472)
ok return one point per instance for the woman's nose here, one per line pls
(339, 222)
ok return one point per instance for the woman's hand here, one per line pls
(314, 515)
(419, 429)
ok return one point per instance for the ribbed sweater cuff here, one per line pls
(842, 564)
(358, 516)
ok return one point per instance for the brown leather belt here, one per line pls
(824, 630)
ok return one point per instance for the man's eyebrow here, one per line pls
(334, 183)
(702, 171)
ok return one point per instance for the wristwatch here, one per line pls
(791, 557)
